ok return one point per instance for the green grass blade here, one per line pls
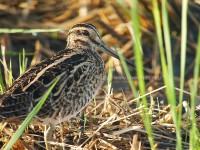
(139, 69)
(128, 74)
(10, 76)
(2, 86)
(170, 85)
(183, 54)
(6, 30)
(14, 53)
(194, 132)
(22, 62)
(167, 74)
(167, 40)
(157, 21)
(29, 118)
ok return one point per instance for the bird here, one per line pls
(81, 72)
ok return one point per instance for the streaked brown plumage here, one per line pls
(81, 71)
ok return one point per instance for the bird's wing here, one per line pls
(28, 89)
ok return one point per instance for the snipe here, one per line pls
(81, 71)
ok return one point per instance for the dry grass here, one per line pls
(113, 120)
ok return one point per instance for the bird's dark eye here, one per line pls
(85, 32)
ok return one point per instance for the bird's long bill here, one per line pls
(115, 54)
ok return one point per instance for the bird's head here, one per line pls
(85, 35)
